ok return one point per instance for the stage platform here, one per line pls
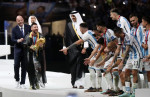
(58, 85)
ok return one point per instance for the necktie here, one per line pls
(22, 31)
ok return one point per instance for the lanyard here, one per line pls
(119, 17)
(122, 42)
(104, 34)
(146, 37)
(76, 31)
(33, 40)
(136, 30)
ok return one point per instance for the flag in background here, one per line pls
(6, 24)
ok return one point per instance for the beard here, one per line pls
(33, 22)
(35, 32)
(135, 25)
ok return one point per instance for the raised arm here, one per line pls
(72, 45)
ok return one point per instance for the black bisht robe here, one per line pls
(29, 59)
(74, 57)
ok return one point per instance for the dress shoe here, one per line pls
(99, 89)
(91, 90)
(17, 84)
(81, 87)
(74, 87)
(23, 86)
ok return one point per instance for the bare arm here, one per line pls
(72, 45)
(116, 53)
(94, 51)
(99, 52)
(108, 57)
(123, 59)
(126, 53)
(75, 43)
(97, 56)
(87, 60)
(104, 60)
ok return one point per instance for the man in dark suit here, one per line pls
(18, 34)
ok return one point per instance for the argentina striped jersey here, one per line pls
(124, 24)
(138, 33)
(88, 36)
(135, 49)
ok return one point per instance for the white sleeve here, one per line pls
(143, 41)
(86, 44)
(85, 37)
(112, 36)
(128, 39)
(125, 26)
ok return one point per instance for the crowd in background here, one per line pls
(91, 10)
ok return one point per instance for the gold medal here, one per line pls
(122, 55)
(103, 55)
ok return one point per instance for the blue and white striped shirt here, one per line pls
(124, 24)
(146, 41)
(109, 36)
(138, 33)
(88, 36)
(135, 49)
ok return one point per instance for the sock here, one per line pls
(148, 84)
(120, 84)
(99, 78)
(131, 77)
(115, 81)
(128, 89)
(109, 81)
(134, 86)
(139, 82)
(124, 88)
(145, 83)
(92, 78)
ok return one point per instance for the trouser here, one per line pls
(19, 61)
(77, 69)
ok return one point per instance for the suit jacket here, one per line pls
(17, 34)
(69, 38)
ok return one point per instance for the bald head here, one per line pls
(20, 20)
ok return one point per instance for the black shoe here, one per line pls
(99, 89)
(120, 92)
(33, 88)
(108, 92)
(91, 90)
(81, 87)
(113, 93)
(74, 87)
(37, 86)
